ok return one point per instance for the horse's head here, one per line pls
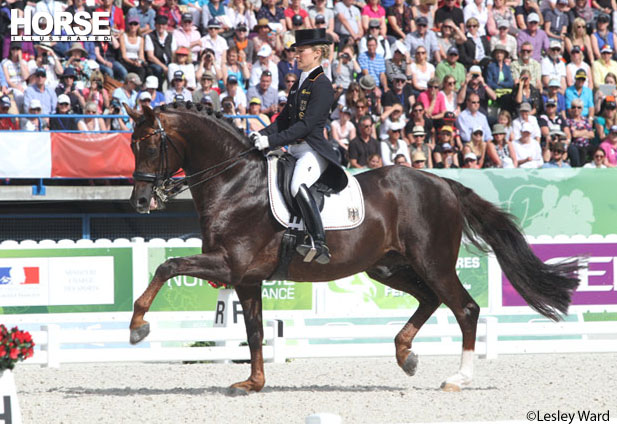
(157, 158)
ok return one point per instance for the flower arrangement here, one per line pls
(15, 345)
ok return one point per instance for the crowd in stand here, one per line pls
(427, 84)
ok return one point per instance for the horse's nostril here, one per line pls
(142, 201)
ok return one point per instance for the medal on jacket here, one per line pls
(303, 104)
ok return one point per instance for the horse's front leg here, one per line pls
(250, 298)
(210, 266)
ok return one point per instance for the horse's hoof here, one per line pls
(449, 387)
(411, 364)
(138, 334)
(235, 391)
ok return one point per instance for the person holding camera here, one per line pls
(69, 87)
(207, 62)
(344, 68)
(96, 93)
(46, 58)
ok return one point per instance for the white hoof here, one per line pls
(456, 382)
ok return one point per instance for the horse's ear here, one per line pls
(148, 113)
(131, 112)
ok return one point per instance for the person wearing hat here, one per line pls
(132, 48)
(558, 150)
(400, 93)
(603, 66)
(264, 62)
(606, 117)
(182, 62)
(213, 40)
(146, 15)
(557, 20)
(394, 144)
(527, 8)
(550, 121)
(322, 16)
(178, 88)
(445, 157)
(34, 124)
(498, 74)
(68, 86)
(61, 123)
(534, 35)
(281, 105)
(602, 36)
(171, 10)
(187, 35)
(206, 84)
(301, 127)
(399, 63)
(527, 149)
(76, 57)
(158, 47)
(348, 22)
(296, 17)
(525, 116)
(418, 160)
(374, 31)
(504, 37)
(577, 62)
(553, 67)
(470, 161)
(7, 124)
(451, 66)
(579, 91)
(46, 58)
(418, 146)
(500, 152)
(151, 86)
(127, 93)
(16, 70)
(475, 83)
(40, 91)
(425, 37)
(255, 108)
(237, 94)
(245, 46)
(554, 109)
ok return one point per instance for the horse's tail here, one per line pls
(547, 288)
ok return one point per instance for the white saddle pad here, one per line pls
(341, 211)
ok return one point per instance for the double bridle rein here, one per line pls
(165, 186)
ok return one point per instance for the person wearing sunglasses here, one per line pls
(476, 49)
(558, 150)
(579, 91)
(525, 62)
(364, 145)
(527, 149)
(598, 159)
(132, 48)
(536, 36)
(394, 145)
(603, 66)
(423, 37)
(582, 134)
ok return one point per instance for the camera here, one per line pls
(474, 76)
(99, 85)
(345, 56)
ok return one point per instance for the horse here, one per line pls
(409, 239)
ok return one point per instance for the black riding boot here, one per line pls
(316, 249)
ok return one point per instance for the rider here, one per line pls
(301, 126)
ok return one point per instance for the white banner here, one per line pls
(25, 155)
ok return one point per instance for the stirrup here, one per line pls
(308, 251)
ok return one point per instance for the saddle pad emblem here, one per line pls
(341, 211)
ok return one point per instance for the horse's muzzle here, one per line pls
(143, 200)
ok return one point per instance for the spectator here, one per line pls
(383, 46)
(579, 91)
(474, 83)
(350, 99)
(181, 63)
(418, 146)
(290, 80)
(606, 118)
(116, 15)
(400, 20)
(295, 9)
(285, 66)
(523, 12)
(399, 63)
(534, 35)
(557, 153)
(419, 118)
(524, 92)
(374, 64)
(158, 47)
(505, 118)
(127, 93)
(576, 63)
(444, 156)
(348, 23)
(451, 66)
(274, 15)
(528, 151)
(579, 40)
(46, 58)
(551, 120)
(582, 9)
(450, 95)
(281, 105)
(344, 67)
(186, 35)
(16, 70)
(343, 130)
(470, 161)
(401, 93)
(472, 118)
(477, 145)
(421, 70)
(393, 117)
(214, 41)
(364, 145)
(498, 74)
(450, 10)
(525, 116)
(206, 89)
(526, 62)
(433, 100)
(374, 161)
(556, 21)
(151, 86)
(320, 14)
(599, 157)
(477, 48)
(172, 11)
(371, 95)
(68, 86)
(117, 124)
(582, 134)
(553, 67)
(400, 159)
(478, 10)
(245, 46)
(500, 152)
(374, 16)
(609, 146)
(265, 36)
(33, 123)
(63, 123)
(502, 38)
(425, 9)
(207, 61)
(39, 91)
(232, 67)
(611, 80)
(449, 35)
(144, 99)
(178, 88)
(92, 123)
(238, 96)
(602, 37)
(255, 109)
(418, 160)
(264, 63)
(423, 37)
(502, 16)
(106, 54)
(603, 66)
(132, 49)
(267, 94)
(393, 145)
(7, 123)
(146, 14)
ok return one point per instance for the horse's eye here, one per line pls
(151, 151)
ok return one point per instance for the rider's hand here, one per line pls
(259, 141)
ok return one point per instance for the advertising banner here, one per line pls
(66, 280)
(598, 285)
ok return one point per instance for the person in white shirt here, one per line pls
(214, 41)
(553, 67)
(525, 116)
(394, 144)
(263, 63)
(528, 150)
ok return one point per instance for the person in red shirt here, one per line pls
(116, 15)
(173, 13)
(7, 123)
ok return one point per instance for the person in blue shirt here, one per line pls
(553, 93)
(579, 91)
(146, 14)
(558, 149)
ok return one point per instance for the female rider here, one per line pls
(301, 126)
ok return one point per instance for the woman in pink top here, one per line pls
(610, 148)
(374, 10)
(433, 100)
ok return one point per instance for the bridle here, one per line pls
(165, 186)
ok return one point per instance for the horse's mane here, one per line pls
(207, 116)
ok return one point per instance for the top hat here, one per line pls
(310, 37)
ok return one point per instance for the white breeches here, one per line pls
(309, 167)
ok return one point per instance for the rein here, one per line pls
(165, 187)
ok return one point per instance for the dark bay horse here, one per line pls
(409, 239)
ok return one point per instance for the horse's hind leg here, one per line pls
(405, 279)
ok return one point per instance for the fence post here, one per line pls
(53, 345)
(490, 337)
(278, 341)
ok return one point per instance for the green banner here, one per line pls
(471, 267)
(184, 293)
(66, 280)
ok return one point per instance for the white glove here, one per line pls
(259, 141)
